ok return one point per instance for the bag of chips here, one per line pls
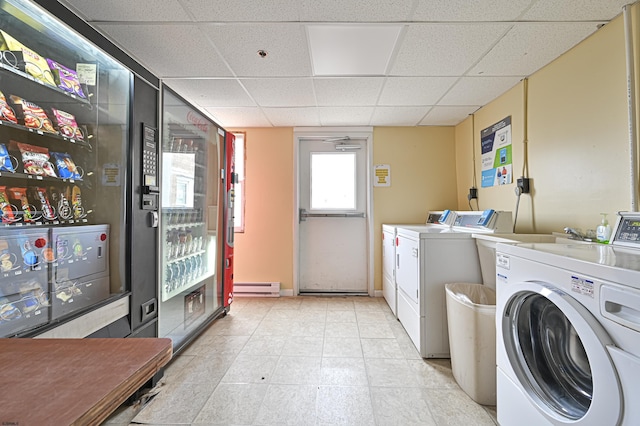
(6, 163)
(67, 169)
(66, 124)
(6, 112)
(66, 78)
(35, 160)
(31, 63)
(32, 115)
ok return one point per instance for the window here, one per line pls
(333, 181)
(238, 207)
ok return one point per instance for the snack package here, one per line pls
(66, 167)
(35, 160)
(76, 203)
(8, 214)
(66, 124)
(60, 201)
(19, 194)
(33, 116)
(5, 160)
(67, 78)
(31, 63)
(40, 195)
(6, 112)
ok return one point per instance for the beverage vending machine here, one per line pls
(196, 220)
(72, 114)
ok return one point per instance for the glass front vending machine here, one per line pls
(68, 221)
(194, 218)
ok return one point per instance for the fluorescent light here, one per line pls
(338, 50)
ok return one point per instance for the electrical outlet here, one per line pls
(473, 194)
(523, 184)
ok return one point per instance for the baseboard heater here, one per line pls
(256, 289)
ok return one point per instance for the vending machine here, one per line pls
(196, 210)
(78, 244)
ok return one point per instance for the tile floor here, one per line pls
(306, 361)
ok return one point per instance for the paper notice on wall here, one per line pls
(495, 144)
(111, 175)
(382, 175)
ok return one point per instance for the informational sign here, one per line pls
(111, 174)
(497, 164)
(87, 73)
(382, 175)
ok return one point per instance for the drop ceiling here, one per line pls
(344, 62)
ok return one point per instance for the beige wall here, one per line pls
(423, 178)
(577, 140)
(264, 252)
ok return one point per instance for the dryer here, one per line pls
(568, 331)
(427, 258)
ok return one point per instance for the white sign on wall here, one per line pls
(382, 175)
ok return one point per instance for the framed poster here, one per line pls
(497, 164)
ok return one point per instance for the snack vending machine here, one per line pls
(71, 137)
(196, 209)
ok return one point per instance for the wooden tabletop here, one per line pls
(74, 381)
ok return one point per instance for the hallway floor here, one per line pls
(306, 361)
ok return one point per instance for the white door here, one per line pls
(332, 229)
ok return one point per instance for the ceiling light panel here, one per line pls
(343, 50)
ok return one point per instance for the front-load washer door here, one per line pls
(557, 350)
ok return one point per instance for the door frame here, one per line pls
(365, 133)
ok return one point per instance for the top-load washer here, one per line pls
(427, 258)
(389, 234)
(568, 331)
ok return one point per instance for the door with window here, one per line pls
(332, 202)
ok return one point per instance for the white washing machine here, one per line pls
(389, 235)
(568, 331)
(429, 257)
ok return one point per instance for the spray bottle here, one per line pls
(603, 231)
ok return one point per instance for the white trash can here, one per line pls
(471, 321)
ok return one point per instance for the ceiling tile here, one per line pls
(243, 10)
(211, 92)
(342, 50)
(281, 92)
(173, 57)
(444, 49)
(585, 10)
(398, 116)
(348, 91)
(527, 47)
(127, 10)
(447, 115)
(285, 117)
(345, 116)
(465, 10)
(415, 90)
(470, 91)
(239, 117)
(286, 47)
(355, 10)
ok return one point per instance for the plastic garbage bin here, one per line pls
(471, 313)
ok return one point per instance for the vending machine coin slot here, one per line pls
(150, 189)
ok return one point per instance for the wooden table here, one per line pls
(73, 381)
